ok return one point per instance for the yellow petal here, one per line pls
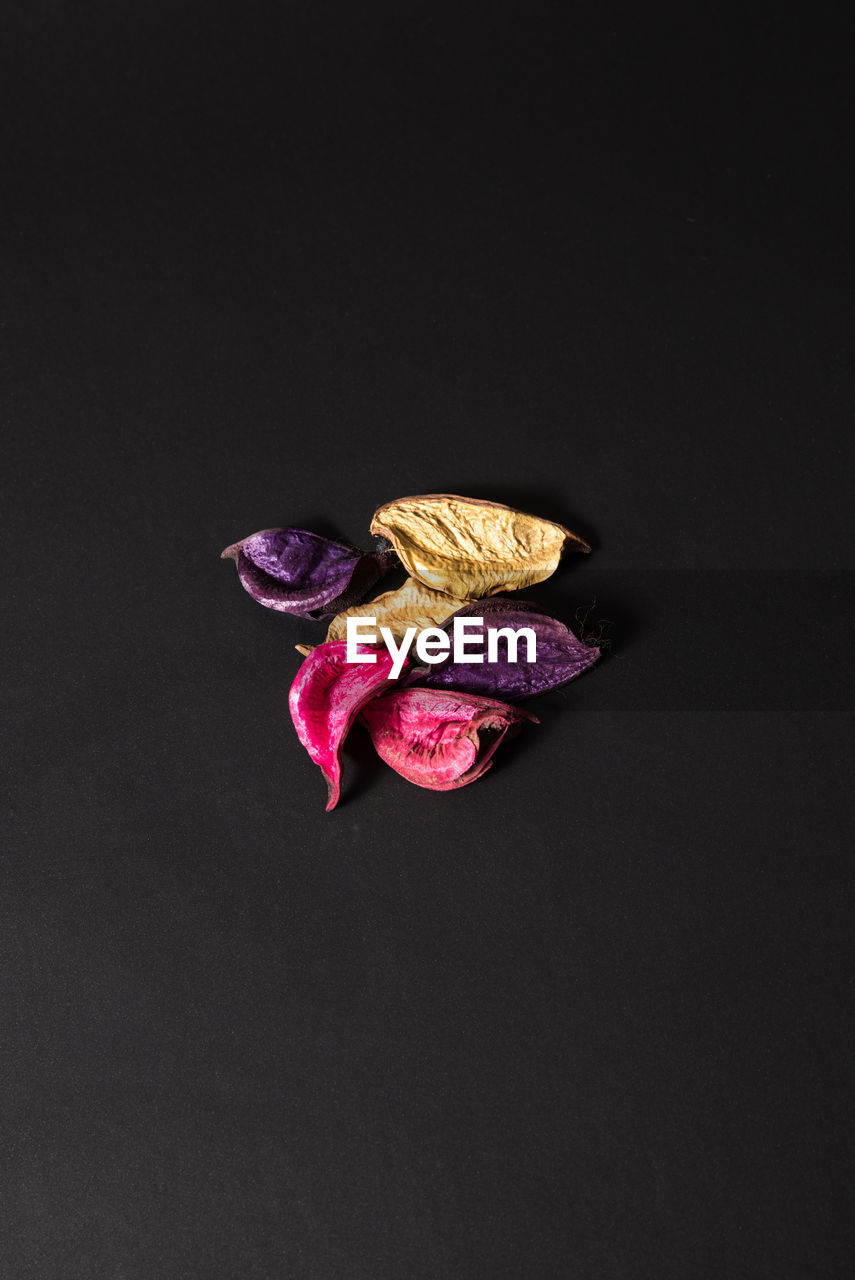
(412, 605)
(468, 548)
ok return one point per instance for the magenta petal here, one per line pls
(438, 739)
(325, 699)
(299, 572)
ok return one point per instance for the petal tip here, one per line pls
(574, 543)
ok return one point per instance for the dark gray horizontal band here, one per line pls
(712, 639)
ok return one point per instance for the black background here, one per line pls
(280, 263)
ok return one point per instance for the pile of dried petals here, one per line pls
(438, 725)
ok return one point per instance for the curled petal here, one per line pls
(325, 698)
(438, 739)
(412, 605)
(469, 548)
(299, 572)
(560, 655)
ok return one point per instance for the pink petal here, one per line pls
(439, 739)
(325, 699)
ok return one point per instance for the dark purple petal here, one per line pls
(299, 572)
(561, 656)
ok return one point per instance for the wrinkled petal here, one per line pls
(469, 548)
(412, 605)
(299, 572)
(561, 656)
(325, 698)
(438, 739)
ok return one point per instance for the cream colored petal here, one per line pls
(468, 548)
(412, 605)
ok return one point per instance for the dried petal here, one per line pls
(412, 605)
(299, 572)
(325, 698)
(561, 656)
(468, 548)
(437, 739)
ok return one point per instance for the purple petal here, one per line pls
(299, 572)
(561, 656)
